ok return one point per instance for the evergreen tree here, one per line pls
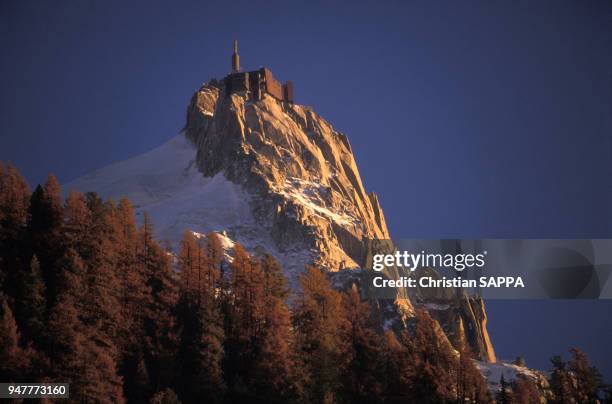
(102, 313)
(275, 283)
(435, 373)
(560, 381)
(321, 328)
(400, 370)
(14, 249)
(215, 254)
(191, 263)
(278, 373)
(201, 339)
(525, 391)
(98, 380)
(76, 350)
(32, 305)
(13, 359)
(45, 229)
(504, 395)
(245, 320)
(65, 341)
(588, 378)
(365, 372)
(161, 341)
(77, 224)
(14, 204)
(134, 291)
(520, 361)
(471, 384)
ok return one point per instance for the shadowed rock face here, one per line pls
(464, 321)
(307, 193)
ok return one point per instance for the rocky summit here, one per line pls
(278, 178)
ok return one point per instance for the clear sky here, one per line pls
(469, 119)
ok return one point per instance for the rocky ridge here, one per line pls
(277, 178)
(309, 195)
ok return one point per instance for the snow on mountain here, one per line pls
(494, 371)
(166, 183)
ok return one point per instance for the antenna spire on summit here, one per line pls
(235, 58)
(254, 84)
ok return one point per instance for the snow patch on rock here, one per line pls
(494, 371)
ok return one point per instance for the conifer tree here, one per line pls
(214, 251)
(504, 395)
(190, 265)
(64, 341)
(77, 359)
(364, 374)
(321, 328)
(14, 249)
(132, 295)
(400, 370)
(14, 203)
(161, 341)
(435, 374)
(244, 308)
(98, 380)
(560, 381)
(278, 373)
(104, 277)
(588, 378)
(525, 391)
(32, 305)
(13, 359)
(45, 229)
(201, 324)
(471, 384)
(134, 291)
(248, 298)
(77, 224)
(275, 283)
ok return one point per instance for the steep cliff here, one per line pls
(277, 178)
(310, 190)
(303, 171)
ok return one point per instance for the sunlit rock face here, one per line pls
(309, 194)
(277, 178)
(308, 188)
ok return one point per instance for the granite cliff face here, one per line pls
(277, 178)
(307, 186)
(307, 193)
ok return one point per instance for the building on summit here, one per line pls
(255, 83)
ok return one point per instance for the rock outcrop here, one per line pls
(277, 178)
(308, 188)
(308, 194)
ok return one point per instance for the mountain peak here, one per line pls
(279, 179)
(304, 176)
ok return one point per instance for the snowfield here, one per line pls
(166, 183)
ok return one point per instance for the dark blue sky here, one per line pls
(479, 119)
